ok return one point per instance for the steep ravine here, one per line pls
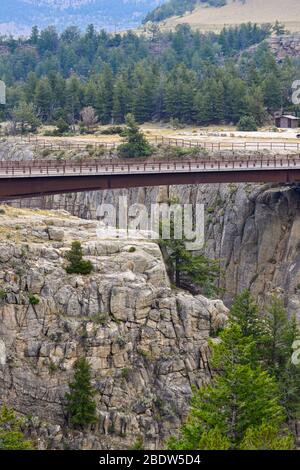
(147, 344)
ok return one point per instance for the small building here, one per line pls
(287, 121)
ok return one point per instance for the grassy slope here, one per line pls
(259, 11)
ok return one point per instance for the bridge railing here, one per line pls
(51, 167)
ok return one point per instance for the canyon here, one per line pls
(147, 344)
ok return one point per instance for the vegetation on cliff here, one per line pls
(255, 390)
(81, 405)
(11, 434)
(77, 265)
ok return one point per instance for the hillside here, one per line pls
(18, 16)
(235, 12)
(178, 7)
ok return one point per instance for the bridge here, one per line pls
(21, 179)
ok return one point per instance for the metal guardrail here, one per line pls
(95, 167)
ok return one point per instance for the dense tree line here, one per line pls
(254, 392)
(185, 75)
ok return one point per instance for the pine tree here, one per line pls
(242, 397)
(25, 115)
(281, 333)
(107, 82)
(266, 437)
(136, 144)
(184, 265)
(11, 435)
(245, 313)
(43, 99)
(272, 92)
(77, 264)
(202, 108)
(81, 405)
(121, 100)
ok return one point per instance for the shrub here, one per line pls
(46, 153)
(112, 130)
(139, 444)
(100, 319)
(3, 294)
(33, 299)
(247, 124)
(77, 264)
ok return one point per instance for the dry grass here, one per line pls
(256, 11)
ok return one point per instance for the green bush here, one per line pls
(3, 294)
(33, 299)
(247, 124)
(77, 264)
(112, 130)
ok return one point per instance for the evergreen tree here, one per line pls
(81, 405)
(266, 437)
(11, 435)
(202, 109)
(43, 99)
(34, 37)
(272, 92)
(245, 313)
(255, 106)
(25, 115)
(240, 400)
(77, 264)
(281, 333)
(136, 144)
(186, 267)
(107, 82)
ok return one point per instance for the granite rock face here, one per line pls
(147, 344)
(253, 229)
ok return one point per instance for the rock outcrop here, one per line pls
(147, 344)
(253, 229)
(285, 46)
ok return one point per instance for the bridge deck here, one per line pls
(30, 178)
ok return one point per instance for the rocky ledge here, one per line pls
(147, 343)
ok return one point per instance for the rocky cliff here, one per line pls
(253, 230)
(146, 343)
(285, 46)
